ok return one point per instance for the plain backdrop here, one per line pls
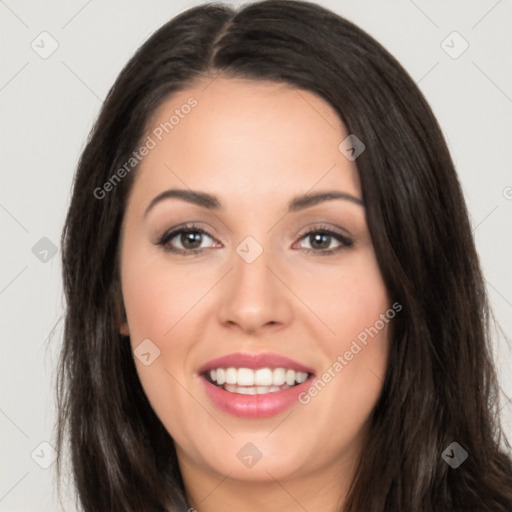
(48, 105)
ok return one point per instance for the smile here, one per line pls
(254, 385)
(247, 381)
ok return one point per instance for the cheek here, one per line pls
(157, 295)
(357, 309)
(348, 299)
(156, 299)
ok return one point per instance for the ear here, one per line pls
(124, 329)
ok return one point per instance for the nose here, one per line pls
(254, 296)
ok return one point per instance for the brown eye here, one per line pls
(190, 239)
(184, 240)
(320, 241)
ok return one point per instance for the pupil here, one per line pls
(191, 236)
(317, 238)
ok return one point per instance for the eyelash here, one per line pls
(192, 228)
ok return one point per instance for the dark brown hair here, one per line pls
(440, 385)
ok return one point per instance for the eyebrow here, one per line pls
(211, 202)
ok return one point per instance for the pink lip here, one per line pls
(254, 406)
(254, 361)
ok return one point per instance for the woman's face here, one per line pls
(285, 293)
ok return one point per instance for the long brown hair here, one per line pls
(440, 385)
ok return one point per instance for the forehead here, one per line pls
(239, 138)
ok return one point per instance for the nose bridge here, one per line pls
(253, 296)
(251, 263)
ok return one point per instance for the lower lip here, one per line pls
(254, 406)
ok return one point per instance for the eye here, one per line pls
(320, 239)
(185, 240)
(188, 240)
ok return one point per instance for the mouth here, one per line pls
(247, 381)
(255, 385)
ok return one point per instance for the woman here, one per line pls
(274, 299)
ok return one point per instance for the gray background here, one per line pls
(47, 109)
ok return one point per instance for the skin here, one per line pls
(255, 145)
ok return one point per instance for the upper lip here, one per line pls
(255, 361)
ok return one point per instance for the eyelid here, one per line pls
(173, 232)
(345, 239)
(324, 227)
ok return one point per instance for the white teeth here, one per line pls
(260, 381)
(246, 390)
(300, 377)
(279, 377)
(253, 390)
(231, 376)
(221, 376)
(245, 377)
(263, 377)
